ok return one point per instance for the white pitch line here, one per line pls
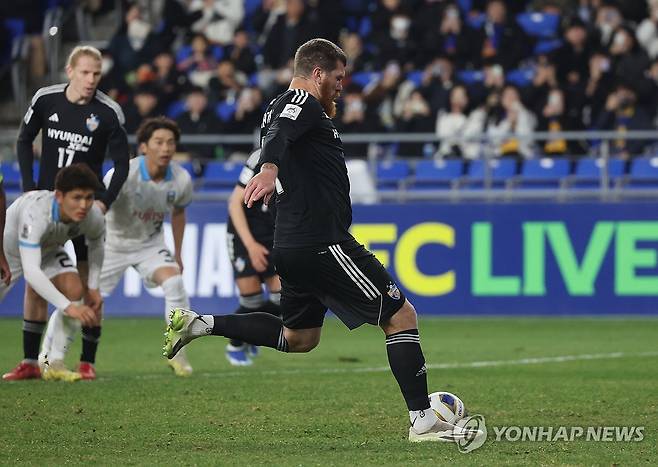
(432, 366)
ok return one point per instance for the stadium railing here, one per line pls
(597, 175)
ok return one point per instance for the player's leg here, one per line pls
(33, 326)
(251, 300)
(61, 330)
(90, 334)
(272, 305)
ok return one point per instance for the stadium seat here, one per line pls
(189, 167)
(437, 174)
(541, 173)
(588, 173)
(476, 21)
(542, 25)
(175, 109)
(469, 77)
(500, 170)
(522, 77)
(221, 176)
(225, 110)
(391, 174)
(364, 78)
(11, 174)
(415, 77)
(547, 46)
(643, 173)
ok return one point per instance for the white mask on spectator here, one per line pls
(400, 27)
(106, 65)
(138, 29)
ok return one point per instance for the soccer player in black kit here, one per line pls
(321, 265)
(78, 124)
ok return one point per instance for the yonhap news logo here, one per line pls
(474, 433)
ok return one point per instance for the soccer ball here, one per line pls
(447, 406)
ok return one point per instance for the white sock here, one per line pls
(203, 326)
(422, 420)
(175, 295)
(59, 336)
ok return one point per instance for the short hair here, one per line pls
(317, 53)
(77, 177)
(81, 50)
(150, 125)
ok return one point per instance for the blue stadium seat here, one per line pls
(547, 46)
(469, 77)
(437, 174)
(189, 167)
(542, 173)
(364, 78)
(500, 170)
(416, 77)
(175, 109)
(16, 28)
(225, 110)
(476, 21)
(522, 77)
(643, 173)
(391, 174)
(542, 25)
(221, 176)
(11, 175)
(588, 173)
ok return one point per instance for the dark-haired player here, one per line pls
(321, 265)
(78, 124)
(38, 225)
(155, 187)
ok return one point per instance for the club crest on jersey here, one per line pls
(240, 264)
(393, 291)
(171, 196)
(26, 231)
(92, 122)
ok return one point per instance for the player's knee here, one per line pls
(301, 343)
(74, 291)
(405, 318)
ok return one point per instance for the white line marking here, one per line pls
(434, 366)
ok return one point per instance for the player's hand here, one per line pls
(261, 185)
(94, 300)
(5, 272)
(101, 206)
(82, 313)
(258, 256)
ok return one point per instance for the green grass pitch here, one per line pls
(338, 405)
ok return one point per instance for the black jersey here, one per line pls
(313, 191)
(260, 217)
(72, 133)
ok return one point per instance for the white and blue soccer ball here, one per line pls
(447, 406)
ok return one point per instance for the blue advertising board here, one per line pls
(454, 259)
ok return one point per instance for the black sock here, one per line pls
(90, 338)
(255, 328)
(32, 332)
(408, 366)
(242, 310)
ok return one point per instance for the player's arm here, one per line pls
(178, 230)
(5, 272)
(29, 129)
(119, 151)
(257, 252)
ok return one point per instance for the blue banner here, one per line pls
(454, 259)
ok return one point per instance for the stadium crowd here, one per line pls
(464, 67)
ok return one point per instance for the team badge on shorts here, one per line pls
(393, 291)
(240, 264)
(92, 122)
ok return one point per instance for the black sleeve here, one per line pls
(118, 149)
(287, 127)
(30, 127)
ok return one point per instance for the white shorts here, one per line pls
(53, 263)
(145, 262)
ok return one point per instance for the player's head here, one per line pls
(74, 190)
(83, 69)
(323, 63)
(157, 138)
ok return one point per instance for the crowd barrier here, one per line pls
(542, 258)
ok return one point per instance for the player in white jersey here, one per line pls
(154, 188)
(38, 225)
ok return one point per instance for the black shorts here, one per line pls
(345, 278)
(239, 255)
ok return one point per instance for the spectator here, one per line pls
(219, 19)
(144, 105)
(169, 81)
(358, 59)
(177, 20)
(355, 118)
(198, 119)
(381, 94)
(290, 31)
(553, 119)
(227, 83)
(415, 118)
(240, 53)
(451, 124)
(575, 53)
(437, 82)
(448, 36)
(500, 38)
(398, 44)
(134, 43)
(647, 32)
(630, 61)
(622, 114)
(247, 117)
(201, 63)
(599, 86)
(608, 19)
(544, 80)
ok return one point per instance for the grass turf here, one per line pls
(337, 405)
